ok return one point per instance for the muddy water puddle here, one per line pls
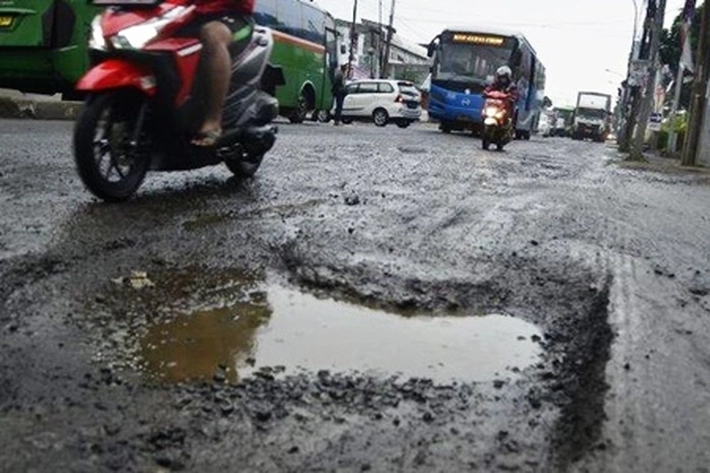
(276, 326)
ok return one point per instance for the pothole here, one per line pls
(186, 326)
(299, 331)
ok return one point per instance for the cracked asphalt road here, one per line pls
(609, 262)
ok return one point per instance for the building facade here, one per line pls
(407, 60)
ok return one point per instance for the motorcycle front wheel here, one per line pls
(109, 144)
(487, 138)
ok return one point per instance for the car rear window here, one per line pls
(407, 88)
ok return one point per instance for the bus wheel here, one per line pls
(299, 114)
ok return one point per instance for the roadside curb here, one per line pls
(38, 109)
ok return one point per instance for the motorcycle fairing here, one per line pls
(117, 73)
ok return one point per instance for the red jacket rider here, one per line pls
(504, 83)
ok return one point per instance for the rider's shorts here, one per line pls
(241, 26)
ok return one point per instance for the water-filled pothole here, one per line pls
(276, 326)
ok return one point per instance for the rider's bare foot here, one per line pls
(206, 138)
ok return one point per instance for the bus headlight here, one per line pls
(97, 40)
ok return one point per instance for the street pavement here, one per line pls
(325, 315)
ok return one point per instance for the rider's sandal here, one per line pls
(206, 139)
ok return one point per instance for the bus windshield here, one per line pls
(592, 113)
(461, 62)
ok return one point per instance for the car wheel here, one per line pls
(380, 117)
(403, 123)
(347, 121)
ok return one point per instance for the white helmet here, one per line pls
(504, 71)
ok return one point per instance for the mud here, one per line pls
(373, 243)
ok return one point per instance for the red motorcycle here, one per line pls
(145, 100)
(497, 124)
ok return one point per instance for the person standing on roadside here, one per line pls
(339, 92)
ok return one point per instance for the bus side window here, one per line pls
(266, 13)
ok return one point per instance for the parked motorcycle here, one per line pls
(146, 100)
(497, 125)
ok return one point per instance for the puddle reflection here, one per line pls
(300, 331)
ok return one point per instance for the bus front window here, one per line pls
(470, 63)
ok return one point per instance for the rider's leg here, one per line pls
(216, 38)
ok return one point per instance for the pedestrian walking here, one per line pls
(339, 92)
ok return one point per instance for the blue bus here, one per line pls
(464, 63)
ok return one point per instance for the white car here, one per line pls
(383, 101)
(544, 126)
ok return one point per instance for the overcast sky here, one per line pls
(578, 41)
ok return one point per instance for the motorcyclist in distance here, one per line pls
(503, 82)
(219, 24)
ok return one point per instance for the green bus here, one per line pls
(43, 44)
(44, 49)
(306, 48)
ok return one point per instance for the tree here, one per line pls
(671, 49)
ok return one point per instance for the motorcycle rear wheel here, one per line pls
(245, 168)
(108, 163)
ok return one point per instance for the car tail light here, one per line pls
(399, 99)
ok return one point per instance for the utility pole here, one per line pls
(353, 40)
(673, 135)
(633, 94)
(388, 46)
(698, 101)
(625, 96)
(647, 104)
(685, 62)
(379, 40)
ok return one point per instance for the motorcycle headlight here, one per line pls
(136, 37)
(491, 112)
(97, 40)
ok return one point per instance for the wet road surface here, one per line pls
(376, 299)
